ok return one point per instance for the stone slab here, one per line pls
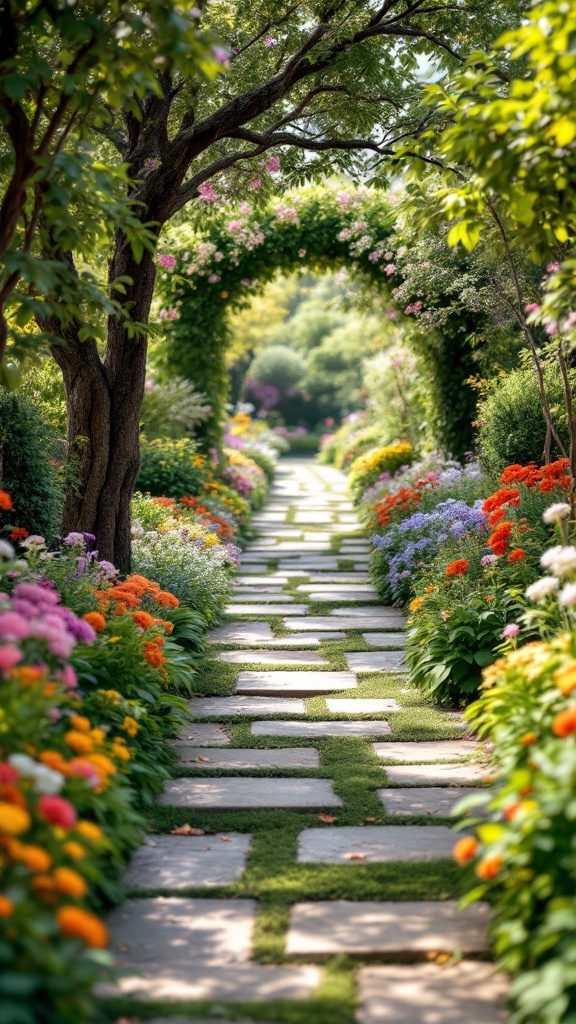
(214, 707)
(361, 705)
(264, 609)
(384, 613)
(254, 793)
(241, 633)
(304, 566)
(414, 752)
(354, 587)
(255, 581)
(468, 992)
(306, 638)
(430, 801)
(294, 684)
(322, 579)
(377, 661)
(272, 657)
(385, 639)
(186, 862)
(360, 728)
(247, 758)
(343, 594)
(265, 595)
(436, 774)
(377, 843)
(394, 929)
(204, 733)
(320, 622)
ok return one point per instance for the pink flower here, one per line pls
(270, 42)
(220, 55)
(390, 269)
(553, 267)
(207, 192)
(235, 225)
(9, 656)
(552, 328)
(13, 626)
(532, 307)
(388, 255)
(273, 164)
(57, 811)
(246, 282)
(8, 775)
(255, 184)
(168, 262)
(343, 199)
(511, 630)
(392, 314)
(374, 256)
(214, 278)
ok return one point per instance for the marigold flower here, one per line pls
(5, 501)
(122, 753)
(96, 620)
(153, 654)
(130, 725)
(35, 858)
(430, 589)
(6, 906)
(104, 765)
(416, 604)
(74, 849)
(465, 850)
(143, 619)
(80, 723)
(517, 555)
(566, 679)
(168, 627)
(505, 496)
(76, 923)
(565, 723)
(528, 739)
(489, 598)
(166, 599)
(14, 820)
(98, 735)
(89, 830)
(69, 883)
(458, 568)
(57, 811)
(11, 795)
(489, 868)
(80, 743)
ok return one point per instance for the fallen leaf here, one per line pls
(200, 758)
(328, 819)
(225, 839)
(370, 819)
(354, 856)
(187, 830)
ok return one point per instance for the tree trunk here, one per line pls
(103, 403)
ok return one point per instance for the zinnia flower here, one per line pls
(510, 631)
(457, 568)
(57, 811)
(565, 723)
(76, 923)
(489, 868)
(465, 850)
(517, 555)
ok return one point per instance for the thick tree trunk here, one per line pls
(104, 399)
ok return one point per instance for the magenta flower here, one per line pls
(167, 261)
(13, 626)
(273, 164)
(255, 184)
(532, 307)
(390, 269)
(270, 42)
(9, 656)
(207, 192)
(511, 630)
(221, 55)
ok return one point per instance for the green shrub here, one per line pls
(512, 425)
(366, 469)
(262, 459)
(26, 447)
(170, 469)
(279, 366)
(305, 443)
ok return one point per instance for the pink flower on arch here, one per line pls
(255, 183)
(273, 164)
(207, 192)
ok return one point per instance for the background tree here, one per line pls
(338, 80)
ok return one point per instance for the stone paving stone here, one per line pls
(305, 638)
(186, 862)
(207, 758)
(360, 728)
(264, 609)
(321, 579)
(256, 581)
(306, 565)
(241, 633)
(253, 793)
(433, 801)
(327, 622)
(377, 661)
(302, 547)
(397, 929)
(416, 751)
(203, 732)
(265, 595)
(317, 535)
(378, 611)
(272, 657)
(294, 684)
(378, 843)
(459, 993)
(361, 705)
(436, 774)
(344, 595)
(385, 639)
(309, 517)
(213, 707)
(341, 585)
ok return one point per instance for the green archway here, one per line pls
(207, 274)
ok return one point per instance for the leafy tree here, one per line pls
(336, 81)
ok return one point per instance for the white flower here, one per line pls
(6, 549)
(567, 595)
(24, 764)
(555, 513)
(33, 542)
(561, 560)
(47, 781)
(542, 588)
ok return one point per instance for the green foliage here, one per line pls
(26, 448)
(512, 428)
(366, 469)
(278, 365)
(170, 469)
(172, 409)
(398, 385)
(42, 383)
(263, 459)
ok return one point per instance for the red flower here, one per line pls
(57, 811)
(457, 568)
(565, 723)
(505, 496)
(19, 533)
(5, 501)
(518, 555)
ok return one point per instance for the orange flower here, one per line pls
(90, 831)
(566, 679)
(489, 868)
(565, 723)
(74, 850)
(80, 743)
(53, 759)
(80, 723)
(416, 604)
(153, 654)
(76, 923)
(430, 589)
(5, 501)
(168, 627)
(458, 568)
(505, 496)
(528, 739)
(69, 883)
(14, 820)
(104, 766)
(517, 555)
(6, 906)
(489, 598)
(96, 620)
(35, 858)
(465, 850)
(130, 725)
(143, 619)
(166, 599)
(19, 533)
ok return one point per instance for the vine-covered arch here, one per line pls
(209, 273)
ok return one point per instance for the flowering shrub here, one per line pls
(172, 468)
(366, 469)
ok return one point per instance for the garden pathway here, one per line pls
(300, 867)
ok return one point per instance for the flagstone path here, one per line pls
(311, 812)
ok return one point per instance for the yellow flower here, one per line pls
(112, 695)
(416, 604)
(80, 743)
(210, 540)
(13, 820)
(566, 678)
(69, 883)
(74, 850)
(80, 723)
(130, 725)
(98, 735)
(121, 752)
(90, 831)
